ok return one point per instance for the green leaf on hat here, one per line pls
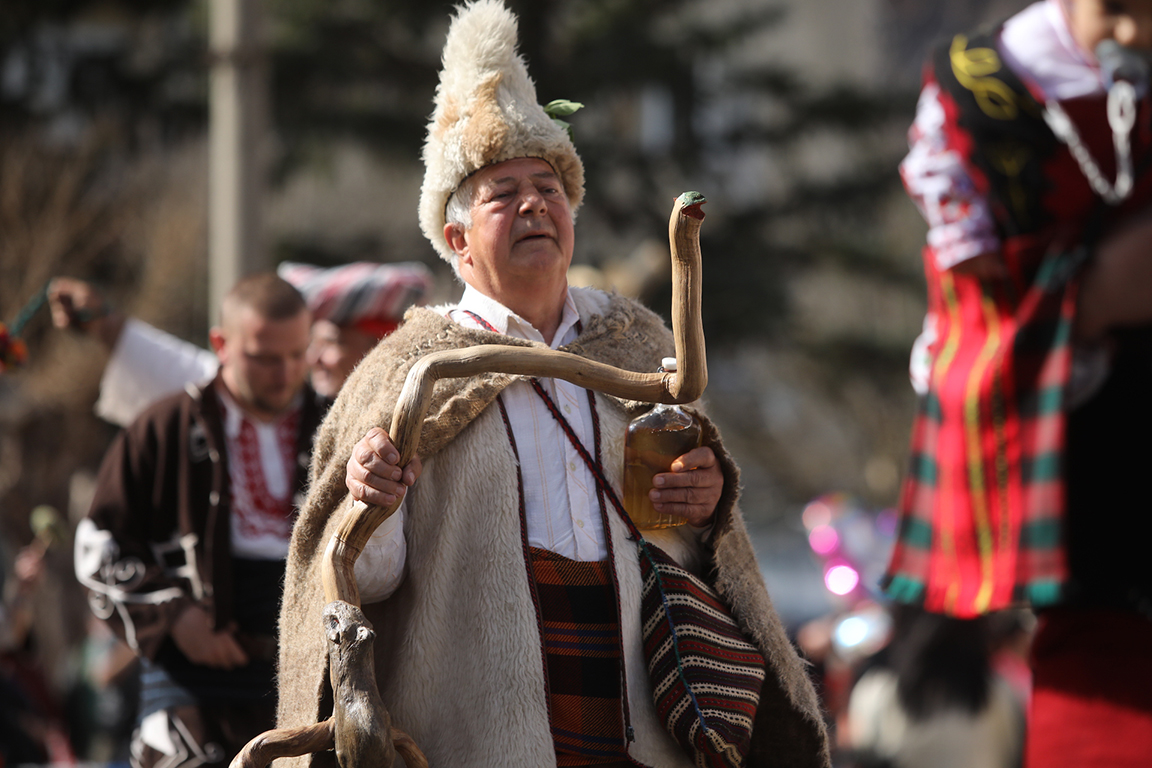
(558, 108)
(561, 108)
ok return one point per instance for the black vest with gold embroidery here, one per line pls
(1010, 142)
(1038, 194)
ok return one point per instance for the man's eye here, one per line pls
(1113, 8)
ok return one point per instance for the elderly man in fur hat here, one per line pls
(506, 540)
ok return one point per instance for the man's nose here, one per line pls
(531, 201)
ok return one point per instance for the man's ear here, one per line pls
(217, 341)
(457, 240)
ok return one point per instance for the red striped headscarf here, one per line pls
(372, 297)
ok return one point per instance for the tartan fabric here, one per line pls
(582, 650)
(373, 296)
(983, 502)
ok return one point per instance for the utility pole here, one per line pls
(238, 105)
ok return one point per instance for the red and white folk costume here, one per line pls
(985, 500)
(1025, 481)
(194, 506)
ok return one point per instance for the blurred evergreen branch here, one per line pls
(365, 70)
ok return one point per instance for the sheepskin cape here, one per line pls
(458, 653)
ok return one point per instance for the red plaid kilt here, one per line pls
(983, 500)
(582, 649)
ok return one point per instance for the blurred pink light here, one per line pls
(841, 579)
(817, 514)
(823, 539)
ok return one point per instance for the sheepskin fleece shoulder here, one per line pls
(458, 656)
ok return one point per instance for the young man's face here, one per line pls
(1128, 22)
(263, 361)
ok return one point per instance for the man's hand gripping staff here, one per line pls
(357, 729)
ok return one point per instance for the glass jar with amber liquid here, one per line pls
(656, 439)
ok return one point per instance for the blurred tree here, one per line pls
(66, 65)
(668, 108)
(680, 94)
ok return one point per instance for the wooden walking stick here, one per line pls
(360, 729)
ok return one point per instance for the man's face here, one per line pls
(1128, 22)
(522, 236)
(263, 361)
(334, 352)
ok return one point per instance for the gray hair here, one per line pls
(458, 212)
(459, 207)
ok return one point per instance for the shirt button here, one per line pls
(580, 523)
(567, 409)
(571, 466)
(214, 498)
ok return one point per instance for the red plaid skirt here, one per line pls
(582, 647)
(983, 501)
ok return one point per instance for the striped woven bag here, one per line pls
(706, 676)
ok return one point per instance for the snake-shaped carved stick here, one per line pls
(360, 730)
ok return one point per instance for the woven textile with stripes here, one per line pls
(706, 676)
(582, 647)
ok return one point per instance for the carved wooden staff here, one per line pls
(360, 729)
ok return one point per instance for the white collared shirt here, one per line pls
(560, 503)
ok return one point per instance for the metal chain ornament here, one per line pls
(1121, 119)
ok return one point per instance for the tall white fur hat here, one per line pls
(486, 112)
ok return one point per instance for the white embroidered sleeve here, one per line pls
(380, 567)
(960, 224)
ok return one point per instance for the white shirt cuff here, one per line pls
(380, 568)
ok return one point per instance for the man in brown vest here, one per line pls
(183, 549)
